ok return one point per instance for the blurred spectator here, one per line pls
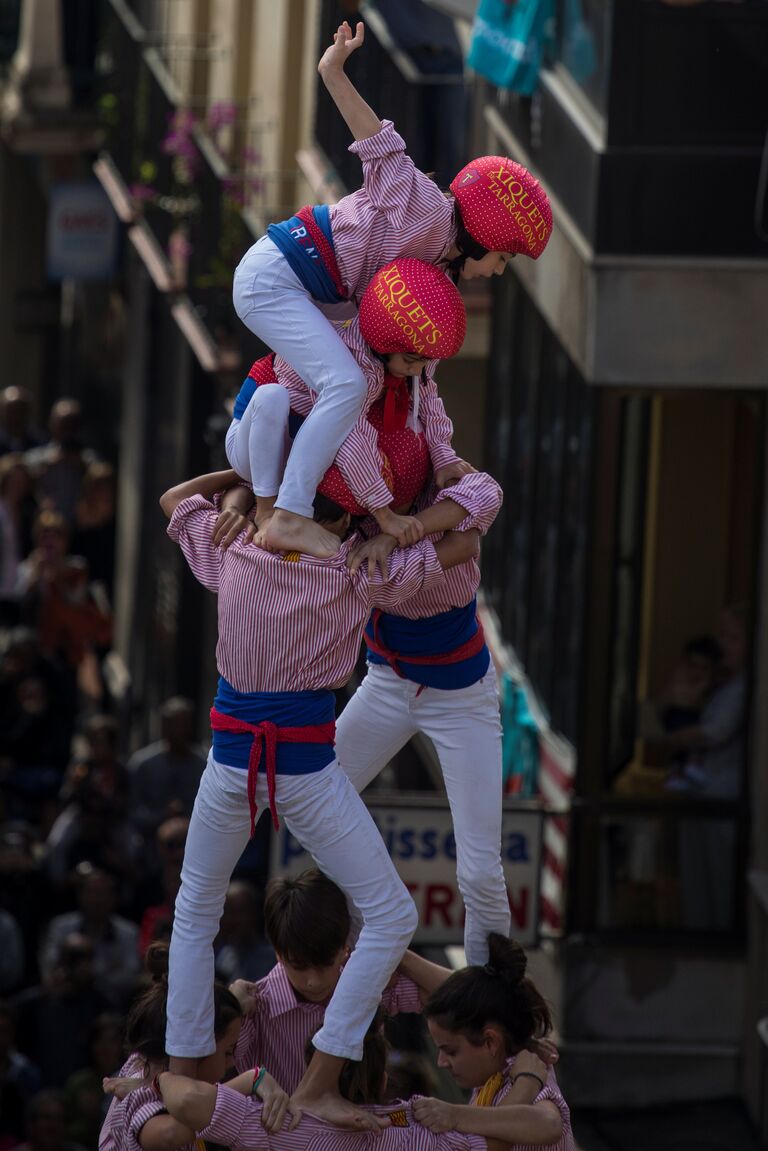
(11, 953)
(53, 1019)
(94, 532)
(45, 1126)
(85, 1103)
(36, 720)
(19, 1081)
(92, 829)
(99, 762)
(165, 775)
(714, 740)
(16, 431)
(17, 505)
(683, 699)
(241, 950)
(116, 964)
(23, 891)
(59, 465)
(71, 614)
(157, 895)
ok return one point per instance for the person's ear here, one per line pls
(346, 522)
(493, 1040)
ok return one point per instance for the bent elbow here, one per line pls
(553, 1130)
(167, 503)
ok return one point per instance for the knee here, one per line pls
(271, 401)
(403, 918)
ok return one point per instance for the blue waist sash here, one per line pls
(283, 708)
(435, 635)
(294, 240)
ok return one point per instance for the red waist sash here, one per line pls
(266, 736)
(324, 247)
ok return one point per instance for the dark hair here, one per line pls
(499, 993)
(327, 511)
(362, 1081)
(306, 919)
(469, 249)
(705, 646)
(145, 1026)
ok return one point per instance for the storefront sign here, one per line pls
(82, 233)
(419, 838)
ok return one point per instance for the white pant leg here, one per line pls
(258, 444)
(218, 832)
(327, 816)
(374, 725)
(271, 301)
(465, 727)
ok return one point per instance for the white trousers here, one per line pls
(271, 301)
(258, 444)
(327, 816)
(465, 728)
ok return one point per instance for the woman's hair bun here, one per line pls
(156, 961)
(506, 959)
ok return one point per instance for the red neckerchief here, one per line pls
(396, 403)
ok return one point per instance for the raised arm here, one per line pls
(205, 486)
(427, 976)
(361, 120)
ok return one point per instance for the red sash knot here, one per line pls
(266, 736)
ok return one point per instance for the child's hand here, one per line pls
(452, 473)
(406, 529)
(542, 1051)
(534, 1062)
(228, 527)
(120, 1088)
(246, 995)
(275, 1102)
(435, 1114)
(377, 552)
(344, 44)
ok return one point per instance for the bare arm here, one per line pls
(457, 548)
(441, 517)
(188, 1100)
(538, 1124)
(427, 976)
(205, 486)
(361, 120)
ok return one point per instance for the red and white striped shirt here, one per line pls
(398, 212)
(126, 1117)
(292, 626)
(358, 457)
(481, 497)
(276, 1032)
(550, 1091)
(236, 1122)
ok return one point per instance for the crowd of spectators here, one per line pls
(91, 836)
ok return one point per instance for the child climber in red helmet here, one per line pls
(411, 316)
(328, 254)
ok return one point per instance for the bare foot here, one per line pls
(334, 1109)
(265, 506)
(287, 532)
(260, 540)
